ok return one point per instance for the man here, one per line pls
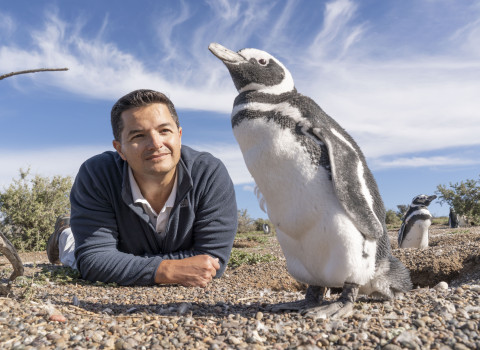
(152, 212)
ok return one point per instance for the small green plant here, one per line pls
(239, 257)
(29, 208)
(59, 275)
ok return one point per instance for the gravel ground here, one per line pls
(441, 312)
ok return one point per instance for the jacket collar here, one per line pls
(184, 182)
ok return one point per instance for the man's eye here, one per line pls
(262, 61)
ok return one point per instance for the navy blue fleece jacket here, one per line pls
(115, 241)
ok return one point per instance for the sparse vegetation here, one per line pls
(245, 222)
(463, 197)
(240, 257)
(441, 220)
(29, 208)
(392, 219)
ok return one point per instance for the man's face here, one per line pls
(150, 141)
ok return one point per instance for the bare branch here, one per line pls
(32, 71)
(7, 249)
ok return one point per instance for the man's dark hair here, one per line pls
(138, 98)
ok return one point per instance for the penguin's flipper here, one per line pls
(354, 184)
(401, 232)
(261, 200)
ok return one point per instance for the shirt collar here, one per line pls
(139, 198)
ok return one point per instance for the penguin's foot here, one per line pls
(341, 308)
(336, 309)
(313, 298)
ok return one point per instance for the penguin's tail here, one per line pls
(399, 276)
(391, 278)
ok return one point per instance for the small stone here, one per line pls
(333, 338)
(419, 323)
(460, 346)
(391, 347)
(53, 336)
(57, 318)
(119, 344)
(426, 319)
(259, 316)
(441, 286)
(97, 337)
(234, 340)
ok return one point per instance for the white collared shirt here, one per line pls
(160, 220)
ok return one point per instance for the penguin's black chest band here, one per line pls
(316, 149)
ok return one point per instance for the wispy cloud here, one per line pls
(98, 69)
(46, 162)
(420, 162)
(338, 33)
(394, 101)
(66, 161)
(7, 25)
(232, 157)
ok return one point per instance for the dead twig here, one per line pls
(32, 71)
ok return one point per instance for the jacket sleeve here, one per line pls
(216, 215)
(95, 230)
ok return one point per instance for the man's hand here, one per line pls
(196, 271)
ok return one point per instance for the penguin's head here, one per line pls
(423, 199)
(253, 69)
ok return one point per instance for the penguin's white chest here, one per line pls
(321, 244)
(417, 236)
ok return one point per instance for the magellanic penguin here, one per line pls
(319, 193)
(415, 223)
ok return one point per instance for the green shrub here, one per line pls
(239, 257)
(392, 218)
(260, 222)
(245, 222)
(463, 197)
(29, 208)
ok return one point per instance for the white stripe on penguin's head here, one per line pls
(256, 70)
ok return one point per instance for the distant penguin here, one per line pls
(453, 219)
(415, 223)
(319, 192)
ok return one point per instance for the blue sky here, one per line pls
(402, 77)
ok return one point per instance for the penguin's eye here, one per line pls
(262, 62)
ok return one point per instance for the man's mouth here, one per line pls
(157, 156)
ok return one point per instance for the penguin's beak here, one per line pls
(224, 54)
(430, 199)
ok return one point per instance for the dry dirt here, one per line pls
(453, 256)
(232, 312)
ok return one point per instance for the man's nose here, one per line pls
(156, 141)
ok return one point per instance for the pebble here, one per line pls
(227, 315)
(441, 286)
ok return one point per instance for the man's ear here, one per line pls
(118, 146)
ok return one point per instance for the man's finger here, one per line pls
(216, 264)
